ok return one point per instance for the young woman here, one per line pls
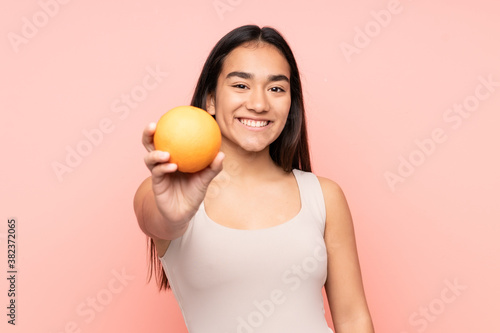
(248, 243)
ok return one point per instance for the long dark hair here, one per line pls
(291, 149)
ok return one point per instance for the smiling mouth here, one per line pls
(254, 123)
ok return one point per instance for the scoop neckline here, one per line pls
(277, 226)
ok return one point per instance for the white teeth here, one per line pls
(253, 123)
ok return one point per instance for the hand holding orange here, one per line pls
(191, 136)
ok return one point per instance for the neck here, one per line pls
(248, 166)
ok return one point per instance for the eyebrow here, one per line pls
(248, 76)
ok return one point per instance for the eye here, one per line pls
(277, 89)
(240, 86)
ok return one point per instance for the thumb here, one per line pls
(214, 168)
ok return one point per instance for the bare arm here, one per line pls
(344, 285)
(149, 217)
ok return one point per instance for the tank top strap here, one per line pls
(311, 196)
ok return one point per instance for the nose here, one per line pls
(257, 101)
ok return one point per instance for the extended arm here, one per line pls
(165, 202)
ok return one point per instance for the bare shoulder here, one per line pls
(332, 191)
(337, 208)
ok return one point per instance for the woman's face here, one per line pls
(252, 99)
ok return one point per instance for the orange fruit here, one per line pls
(191, 136)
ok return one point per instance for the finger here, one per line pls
(148, 136)
(156, 157)
(217, 162)
(214, 168)
(160, 170)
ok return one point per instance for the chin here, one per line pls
(254, 148)
(250, 146)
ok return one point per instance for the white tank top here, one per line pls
(253, 281)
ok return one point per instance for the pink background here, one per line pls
(76, 231)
